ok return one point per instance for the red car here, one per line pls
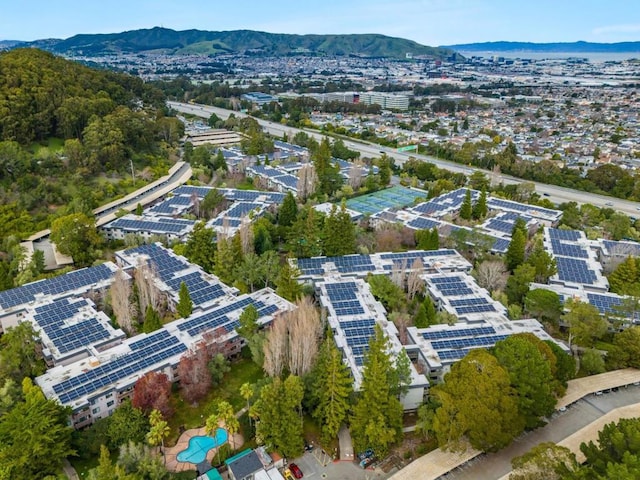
(295, 470)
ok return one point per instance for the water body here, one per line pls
(595, 57)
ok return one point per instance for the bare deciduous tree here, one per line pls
(148, 293)
(492, 275)
(415, 284)
(356, 174)
(246, 235)
(275, 348)
(401, 320)
(305, 331)
(123, 310)
(307, 181)
(398, 273)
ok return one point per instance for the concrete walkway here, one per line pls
(69, 471)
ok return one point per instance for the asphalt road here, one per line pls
(562, 424)
(554, 193)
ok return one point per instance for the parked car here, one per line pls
(366, 454)
(288, 475)
(368, 461)
(296, 470)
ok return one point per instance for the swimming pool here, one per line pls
(199, 446)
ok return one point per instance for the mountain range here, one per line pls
(559, 47)
(168, 41)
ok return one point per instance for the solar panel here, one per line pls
(456, 343)
(575, 270)
(469, 332)
(569, 235)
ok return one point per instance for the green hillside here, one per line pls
(241, 42)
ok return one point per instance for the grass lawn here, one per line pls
(83, 466)
(194, 416)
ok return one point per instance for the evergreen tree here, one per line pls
(420, 320)
(185, 305)
(624, 279)
(288, 211)
(339, 233)
(248, 321)
(139, 209)
(384, 170)
(287, 285)
(542, 261)
(200, 247)
(377, 419)
(228, 256)
(434, 244)
(518, 283)
(466, 209)
(152, 320)
(427, 239)
(305, 236)
(430, 310)
(329, 178)
(219, 162)
(333, 389)
(515, 252)
(480, 208)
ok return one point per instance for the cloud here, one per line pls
(623, 28)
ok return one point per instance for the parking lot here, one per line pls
(317, 466)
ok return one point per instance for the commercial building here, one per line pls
(389, 101)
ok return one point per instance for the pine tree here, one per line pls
(248, 322)
(219, 162)
(625, 277)
(434, 243)
(480, 208)
(151, 320)
(185, 305)
(339, 233)
(420, 320)
(515, 252)
(333, 387)
(287, 283)
(377, 418)
(466, 208)
(430, 310)
(542, 261)
(288, 211)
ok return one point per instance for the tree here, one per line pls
(542, 261)
(247, 392)
(152, 320)
(305, 331)
(305, 235)
(477, 402)
(628, 347)
(624, 279)
(159, 430)
(34, 436)
(153, 392)
(518, 283)
(480, 208)
(530, 375)
(420, 320)
(278, 408)
(126, 424)
(275, 348)
(515, 252)
(307, 181)
(466, 208)
(18, 353)
(384, 169)
(226, 415)
(195, 379)
(212, 203)
(76, 235)
(585, 323)
(248, 322)
(545, 461)
(120, 295)
(332, 387)
(478, 180)
(492, 275)
(377, 415)
(106, 470)
(616, 452)
(185, 305)
(219, 162)
(339, 233)
(329, 178)
(592, 362)
(544, 305)
(200, 247)
(288, 211)
(430, 310)
(228, 256)
(287, 285)
(565, 363)
(427, 239)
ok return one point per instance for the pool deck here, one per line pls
(171, 453)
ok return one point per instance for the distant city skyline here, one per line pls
(429, 22)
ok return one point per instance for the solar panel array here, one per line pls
(575, 270)
(622, 248)
(607, 304)
(568, 235)
(451, 286)
(218, 317)
(67, 336)
(467, 332)
(501, 245)
(423, 223)
(470, 342)
(168, 267)
(154, 349)
(444, 203)
(162, 225)
(532, 210)
(54, 286)
(568, 249)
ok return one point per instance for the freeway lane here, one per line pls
(555, 193)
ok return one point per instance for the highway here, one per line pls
(554, 193)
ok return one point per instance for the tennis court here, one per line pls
(394, 197)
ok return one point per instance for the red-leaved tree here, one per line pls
(153, 391)
(195, 379)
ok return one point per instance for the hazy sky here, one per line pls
(430, 22)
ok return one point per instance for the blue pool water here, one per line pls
(198, 447)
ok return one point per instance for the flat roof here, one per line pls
(581, 387)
